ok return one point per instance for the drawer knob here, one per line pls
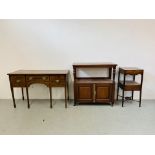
(17, 81)
(44, 78)
(57, 81)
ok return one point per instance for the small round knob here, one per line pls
(57, 81)
(17, 81)
(44, 78)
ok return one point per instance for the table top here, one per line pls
(130, 68)
(98, 64)
(38, 72)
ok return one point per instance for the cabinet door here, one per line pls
(103, 92)
(84, 92)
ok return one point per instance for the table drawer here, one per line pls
(17, 81)
(58, 83)
(58, 80)
(57, 77)
(37, 78)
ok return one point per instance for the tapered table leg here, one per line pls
(140, 98)
(22, 93)
(65, 97)
(12, 92)
(132, 95)
(27, 93)
(50, 89)
(113, 94)
(68, 90)
(122, 97)
(117, 92)
(132, 90)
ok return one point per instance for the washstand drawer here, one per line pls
(17, 81)
(134, 72)
(37, 78)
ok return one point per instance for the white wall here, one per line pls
(56, 44)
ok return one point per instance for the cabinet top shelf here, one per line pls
(87, 65)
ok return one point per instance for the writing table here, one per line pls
(51, 78)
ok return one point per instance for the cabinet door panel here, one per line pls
(84, 92)
(103, 92)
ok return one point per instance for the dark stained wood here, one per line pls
(39, 72)
(12, 91)
(50, 78)
(50, 97)
(22, 93)
(103, 92)
(65, 96)
(94, 89)
(17, 81)
(84, 93)
(110, 66)
(93, 81)
(132, 86)
(131, 70)
(28, 102)
(94, 65)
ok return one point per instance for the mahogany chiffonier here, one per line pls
(94, 89)
(51, 78)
